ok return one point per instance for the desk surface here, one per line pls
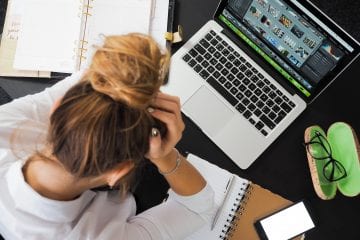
(283, 167)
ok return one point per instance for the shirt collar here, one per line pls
(26, 199)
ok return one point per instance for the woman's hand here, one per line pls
(166, 108)
(182, 177)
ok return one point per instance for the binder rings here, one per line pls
(59, 35)
(246, 203)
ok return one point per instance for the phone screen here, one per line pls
(286, 223)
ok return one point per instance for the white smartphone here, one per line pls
(285, 224)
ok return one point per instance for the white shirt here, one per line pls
(25, 214)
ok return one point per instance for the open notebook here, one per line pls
(9, 37)
(58, 35)
(247, 203)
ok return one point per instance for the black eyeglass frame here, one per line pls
(335, 163)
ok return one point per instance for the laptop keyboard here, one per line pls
(240, 83)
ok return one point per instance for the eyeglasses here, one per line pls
(319, 148)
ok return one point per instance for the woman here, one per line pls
(98, 126)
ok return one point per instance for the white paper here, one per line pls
(217, 178)
(48, 35)
(9, 38)
(116, 17)
(158, 25)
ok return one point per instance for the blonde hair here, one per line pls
(127, 69)
(102, 121)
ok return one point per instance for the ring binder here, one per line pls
(87, 7)
(86, 21)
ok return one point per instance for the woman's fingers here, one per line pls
(168, 103)
(162, 98)
(167, 106)
(168, 97)
(155, 144)
(174, 124)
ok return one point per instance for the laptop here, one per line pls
(248, 73)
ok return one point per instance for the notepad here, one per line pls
(9, 39)
(246, 203)
(159, 21)
(60, 35)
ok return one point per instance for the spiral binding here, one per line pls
(81, 48)
(236, 211)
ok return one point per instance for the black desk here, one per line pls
(283, 167)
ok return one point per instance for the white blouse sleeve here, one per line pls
(176, 218)
(28, 116)
(37, 106)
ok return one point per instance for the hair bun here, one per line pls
(128, 68)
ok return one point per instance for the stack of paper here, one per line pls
(9, 39)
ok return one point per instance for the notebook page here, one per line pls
(218, 179)
(115, 17)
(48, 36)
(158, 25)
(12, 26)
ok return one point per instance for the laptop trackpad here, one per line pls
(207, 111)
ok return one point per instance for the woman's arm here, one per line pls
(191, 200)
(170, 220)
(36, 107)
(24, 120)
(182, 177)
(177, 218)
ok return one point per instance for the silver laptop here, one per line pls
(246, 75)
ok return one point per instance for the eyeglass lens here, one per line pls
(319, 148)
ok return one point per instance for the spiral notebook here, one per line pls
(247, 203)
(58, 35)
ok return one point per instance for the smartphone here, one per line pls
(286, 223)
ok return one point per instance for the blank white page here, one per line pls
(158, 25)
(48, 36)
(115, 17)
(9, 38)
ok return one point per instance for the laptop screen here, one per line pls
(306, 50)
